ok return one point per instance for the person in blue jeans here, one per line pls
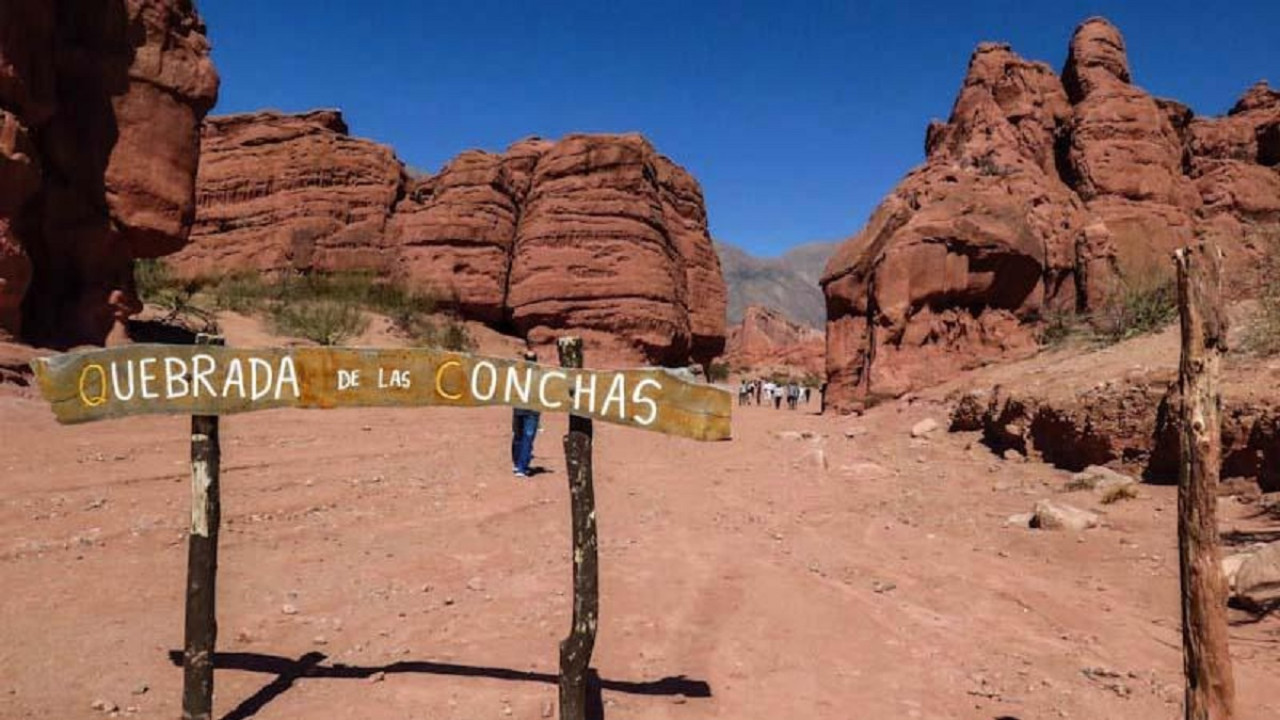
(524, 429)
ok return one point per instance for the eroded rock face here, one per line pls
(766, 340)
(1039, 194)
(595, 234)
(292, 192)
(100, 107)
(965, 248)
(460, 225)
(593, 250)
(1129, 422)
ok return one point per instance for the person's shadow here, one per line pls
(310, 665)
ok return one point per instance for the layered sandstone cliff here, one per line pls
(1040, 194)
(100, 108)
(289, 191)
(598, 235)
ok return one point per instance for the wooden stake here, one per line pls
(575, 650)
(202, 565)
(1210, 693)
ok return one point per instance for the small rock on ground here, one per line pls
(1258, 580)
(924, 427)
(1050, 515)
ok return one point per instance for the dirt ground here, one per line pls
(386, 564)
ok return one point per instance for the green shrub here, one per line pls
(1145, 302)
(326, 322)
(329, 307)
(152, 279)
(718, 371)
(245, 293)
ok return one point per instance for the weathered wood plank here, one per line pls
(575, 650)
(1210, 688)
(201, 629)
(190, 380)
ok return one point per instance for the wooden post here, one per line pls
(1210, 692)
(575, 650)
(202, 565)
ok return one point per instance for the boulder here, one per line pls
(100, 108)
(1100, 479)
(1257, 582)
(1050, 515)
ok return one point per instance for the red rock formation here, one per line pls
(100, 107)
(981, 236)
(1038, 194)
(290, 192)
(766, 341)
(594, 253)
(458, 228)
(1235, 164)
(1124, 158)
(596, 234)
(706, 299)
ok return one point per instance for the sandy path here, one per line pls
(397, 544)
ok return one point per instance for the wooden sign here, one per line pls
(212, 380)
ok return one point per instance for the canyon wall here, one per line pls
(100, 109)
(598, 235)
(1041, 194)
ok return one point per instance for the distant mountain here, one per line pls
(788, 283)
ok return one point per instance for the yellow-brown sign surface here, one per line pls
(215, 380)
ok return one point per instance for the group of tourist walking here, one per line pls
(767, 392)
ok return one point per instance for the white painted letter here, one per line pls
(638, 398)
(235, 376)
(115, 381)
(542, 388)
(174, 371)
(264, 389)
(579, 391)
(146, 376)
(475, 381)
(288, 374)
(201, 368)
(513, 382)
(617, 393)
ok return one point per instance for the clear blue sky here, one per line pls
(797, 117)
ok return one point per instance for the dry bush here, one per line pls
(1143, 302)
(156, 285)
(447, 333)
(1116, 493)
(327, 308)
(327, 322)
